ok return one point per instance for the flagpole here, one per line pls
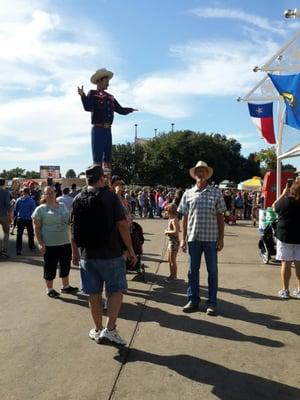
(284, 68)
(281, 107)
(267, 64)
(245, 98)
(281, 50)
(281, 118)
(293, 152)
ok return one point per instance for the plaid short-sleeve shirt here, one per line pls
(202, 207)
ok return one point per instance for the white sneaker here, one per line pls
(296, 293)
(284, 294)
(111, 336)
(211, 310)
(94, 335)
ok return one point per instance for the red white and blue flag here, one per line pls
(262, 117)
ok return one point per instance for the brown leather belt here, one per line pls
(105, 126)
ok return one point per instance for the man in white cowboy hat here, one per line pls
(202, 208)
(102, 106)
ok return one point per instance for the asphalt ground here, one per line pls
(250, 350)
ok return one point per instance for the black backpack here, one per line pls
(90, 225)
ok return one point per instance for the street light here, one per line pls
(134, 153)
(135, 131)
(292, 13)
(172, 125)
(155, 132)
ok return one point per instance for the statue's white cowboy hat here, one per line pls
(202, 164)
(101, 73)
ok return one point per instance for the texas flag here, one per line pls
(262, 117)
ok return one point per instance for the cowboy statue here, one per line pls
(102, 106)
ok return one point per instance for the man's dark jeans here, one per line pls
(21, 224)
(195, 250)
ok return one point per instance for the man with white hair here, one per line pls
(202, 208)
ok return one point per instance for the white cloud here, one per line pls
(44, 48)
(17, 9)
(48, 55)
(252, 19)
(49, 127)
(211, 68)
(6, 149)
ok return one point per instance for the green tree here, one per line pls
(70, 173)
(13, 173)
(127, 161)
(250, 167)
(168, 158)
(289, 167)
(267, 159)
(32, 175)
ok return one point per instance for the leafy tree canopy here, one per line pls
(19, 173)
(70, 173)
(167, 158)
(268, 161)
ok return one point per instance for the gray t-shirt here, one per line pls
(54, 224)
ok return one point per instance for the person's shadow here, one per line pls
(186, 324)
(227, 309)
(227, 384)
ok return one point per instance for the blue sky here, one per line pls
(181, 62)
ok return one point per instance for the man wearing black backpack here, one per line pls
(97, 223)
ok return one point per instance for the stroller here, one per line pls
(267, 242)
(229, 218)
(137, 238)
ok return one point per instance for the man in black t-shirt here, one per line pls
(97, 220)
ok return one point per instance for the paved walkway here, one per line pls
(249, 351)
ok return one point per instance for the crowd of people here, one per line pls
(243, 204)
(64, 224)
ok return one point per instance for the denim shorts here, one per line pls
(94, 272)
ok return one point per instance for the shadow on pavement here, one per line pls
(227, 383)
(159, 260)
(225, 308)
(24, 259)
(77, 301)
(248, 294)
(186, 324)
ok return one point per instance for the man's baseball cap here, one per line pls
(94, 172)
